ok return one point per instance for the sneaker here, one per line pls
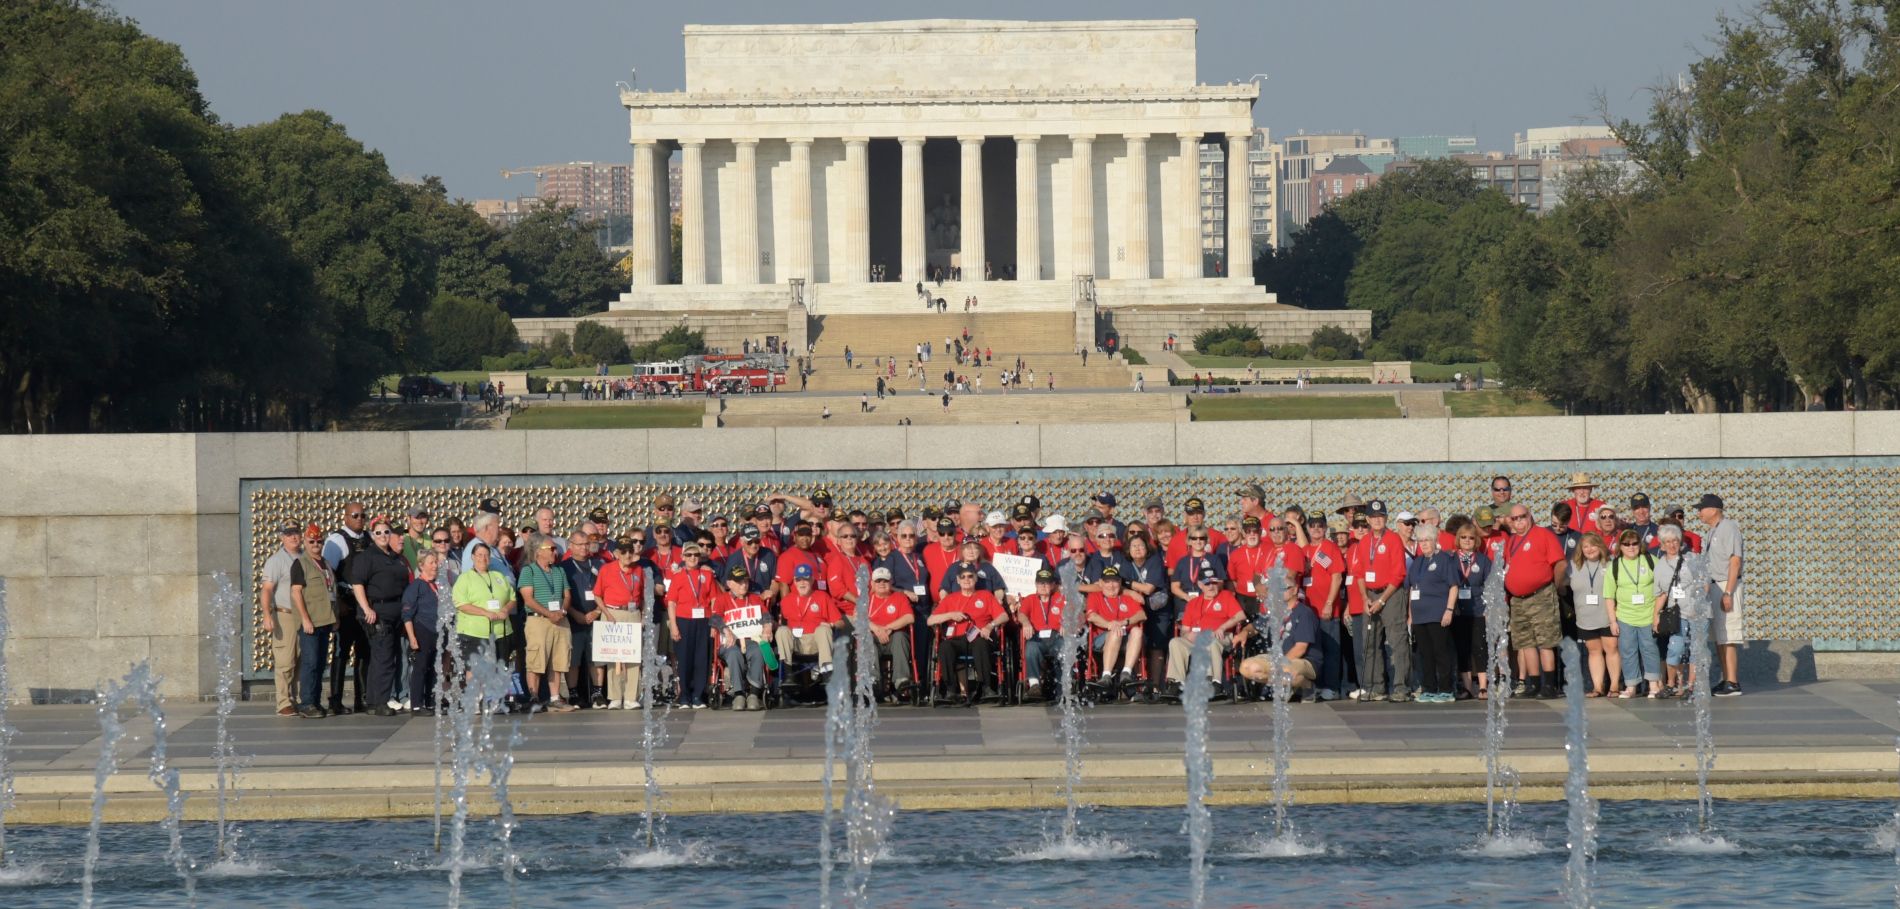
(696, 706)
(615, 705)
(1400, 697)
(536, 707)
(600, 700)
(1375, 696)
(1327, 694)
(394, 704)
(1727, 690)
(631, 705)
(1033, 688)
(312, 713)
(1358, 694)
(1655, 692)
(561, 706)
(1629, 691)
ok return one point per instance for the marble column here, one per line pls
(857, 213)
(1135, 261)
(1239, 255)
(797, 254)
(1082, 191)
(915, 261)
(1187, 213)
(647, 258)
(972, 256)
(692, 213)
(745, 213)
(1028, 212)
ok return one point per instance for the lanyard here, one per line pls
(1466, 561)
(626, 580)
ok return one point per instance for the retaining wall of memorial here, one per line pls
(108, 542)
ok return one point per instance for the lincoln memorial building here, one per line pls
(1039, 166)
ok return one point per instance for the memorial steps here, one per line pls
(832, 376)
(898, 334)
(968, 409)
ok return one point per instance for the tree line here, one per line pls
(163, 270)
(1747, 261)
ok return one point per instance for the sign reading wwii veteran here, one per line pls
(746, 623)
(617, 642)
(1019, 573)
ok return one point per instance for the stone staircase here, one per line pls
(967, 409)
(1423, 404)
(889, 297)
(1044, 340)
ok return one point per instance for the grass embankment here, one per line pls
(611, 416)
(1493, 402)
(1304, 407)
(1421, 372)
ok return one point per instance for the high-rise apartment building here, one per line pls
(1305, 153)
(598, 192)
(1547, 142)
(1262, 192)
(1521, 179)
(1425, 147)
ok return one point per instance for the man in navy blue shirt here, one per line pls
(1299, 645)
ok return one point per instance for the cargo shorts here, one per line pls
(1533, 619)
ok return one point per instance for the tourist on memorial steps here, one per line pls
(689, 592)
(1596, 622)
(484, 600)
(808, 618)
(737, 607)
(1728, 625)
(1432, 581)
(1631, 594)
(1533, 564)
(378, 577)
(1386, 656)
(419, 602)
(351, 653)
(280, 616)
(313, 594)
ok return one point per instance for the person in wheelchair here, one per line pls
(1216, 612)
(891, 616)
(808, 618)
(1116, 616)
(742, 621)
(1041, 616)
(966, 620)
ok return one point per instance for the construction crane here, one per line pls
(537, 170)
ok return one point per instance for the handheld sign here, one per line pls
(1019, 573)
(617, 642)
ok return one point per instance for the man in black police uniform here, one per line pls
(378, 576)
(350, 650)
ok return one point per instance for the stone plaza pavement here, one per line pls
(1829, 738)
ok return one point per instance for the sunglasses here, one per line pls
(1198, 539)
(443, 540)
(354, 515)
(1500, 489)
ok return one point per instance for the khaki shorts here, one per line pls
(550, 646)
(1534, 620)
(1727, 627)
(1301, 669)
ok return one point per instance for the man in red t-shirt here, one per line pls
(1041, 616)
(1215, 612)
(1194, 519)
(1117, 617)
(1387, 640)
(1534, 565)
(1321, 587)
(742, 620)
(940, 557)
(800, 553)
(967, 619)
(1583, 503)
(1247, 561)
(891, 616)
(808, 619)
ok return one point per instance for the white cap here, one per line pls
(1053, 523)
(996, 519)
(1406, 516)
(881, 574)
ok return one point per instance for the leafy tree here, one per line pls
(461, 331)
(465, 247)
(597, 343)
(559, 266)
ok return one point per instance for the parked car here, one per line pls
(417, 387)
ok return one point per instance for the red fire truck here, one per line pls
(711, 374)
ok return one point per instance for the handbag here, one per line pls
(1669, 621)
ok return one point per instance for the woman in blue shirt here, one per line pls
(1432, 582)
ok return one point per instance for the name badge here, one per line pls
(1304, 582)
(1044, 633)
(494, 604)
(588, 594)
(822, 585)
(1415, 595)
(917, 589)
(1590, 599)
(1464, 593)
(1638, 599)
(1372, 577)
(1676, 591)
(1349, 580)
(1249, 587)
(798, 632)
(698, 614)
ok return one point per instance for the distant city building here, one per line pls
(1521, 179)
(1262, 191)
(1547, 142)
(1574, 156)
(1305, 153)
(1343, 176)
(503, 213)
(597, 192)
(1428, 147)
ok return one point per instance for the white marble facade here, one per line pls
(1045, 149)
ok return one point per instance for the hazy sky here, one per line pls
(463, 89)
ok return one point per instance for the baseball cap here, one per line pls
(490, 506)
(761, 510)
(1405, 516)
(1485, 515)
(1376, 507)
(932, 512)
(1250, 522)
(664, 500)
(1045, 576)
(624, 541)
(598, 515)
(312, 531)
(1639, 500)
(946, 525)
(1708, 500)
(996, 519)
(1207, 573)
(803, 527)
(749, 532)
(416, 511)
(737, 573)
(1316, 519)
(1252, 491)
(1033, 501)
(821, 496)
(802, 572)
(1193, 505)
(692, 549)
(881, 574)
(1154, 502)
(1055, 522)
(1021, 512)
(1106, 498)
(692, 505)
(895, 514)
(1111, 572)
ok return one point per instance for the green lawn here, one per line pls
(1493, 402)
(1303, 407)
(611, 416)
(1205, 361)
(1442, 372)
(473, 376)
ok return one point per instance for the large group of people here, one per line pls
(965, 604)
